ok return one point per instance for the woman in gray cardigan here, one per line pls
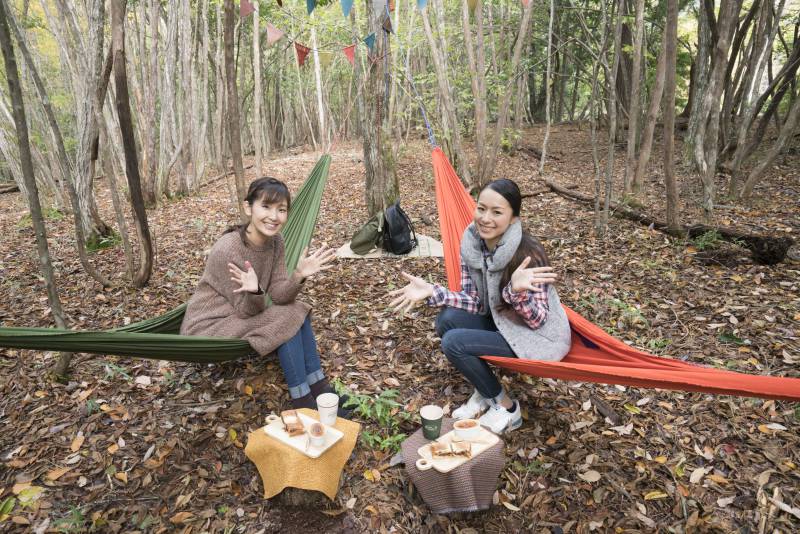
(506, 306)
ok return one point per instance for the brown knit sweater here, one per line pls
(215, 310)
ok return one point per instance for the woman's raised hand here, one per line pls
(247, 279)
(320, 260)
(525, 278)
(407, 297)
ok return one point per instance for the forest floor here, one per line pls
(674, 461)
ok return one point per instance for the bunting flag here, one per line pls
(391, 5)
(472, 4)
(387, 24)
(525, 3)
(246, 8)
(350, 52)
(310, 5)
(369, 40)
(273, 34)
(325, 59)
(302, 52)
(421, 4)
(347, 5)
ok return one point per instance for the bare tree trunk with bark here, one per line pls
(142, 275)
(232, 107)
(630, 185)
(670, 58)
(26, 164)
(548, 86)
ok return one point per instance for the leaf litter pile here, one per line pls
(130, 445)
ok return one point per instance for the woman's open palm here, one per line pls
(531, 279)
(320, 260)
(407, 297)
(247, 278)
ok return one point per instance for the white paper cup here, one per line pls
(316, 441)
(328, 406)
(467, 429)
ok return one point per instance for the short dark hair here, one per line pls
(265, 189)
(509, 190)
(269, 190)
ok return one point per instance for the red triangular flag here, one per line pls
(273, 34)
(245, 8)
(525, 3)
(350, 52)
(302, 52)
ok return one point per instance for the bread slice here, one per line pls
(451, 449)
(292, 423)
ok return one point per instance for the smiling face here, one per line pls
(493, 216)
(266, 218)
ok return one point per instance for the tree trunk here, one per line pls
(257, 95)
(129, 143)
(26, 163)
(548, 86)
(381, 188)
(452, 130)
(65, 168)
(476, 60)
(630, 186)
(232, 108)
(651, 119)
(787, 131)
(670, 58)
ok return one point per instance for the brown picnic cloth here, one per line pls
(281, 466)
(467, 488)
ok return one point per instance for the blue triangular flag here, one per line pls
(421, 4)
(369, 40)
(310, 5)
(347, 5)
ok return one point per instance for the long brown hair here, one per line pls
(528, 246)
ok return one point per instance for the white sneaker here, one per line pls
(499, 420)
(476, 404)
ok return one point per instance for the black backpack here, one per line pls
(398, 232)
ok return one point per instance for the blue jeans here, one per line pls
(467, 336)
(300, 361)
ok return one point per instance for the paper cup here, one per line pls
(328, 406)
(431, 421)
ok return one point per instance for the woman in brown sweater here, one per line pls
(246, 264)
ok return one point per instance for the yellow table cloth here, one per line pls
(282, 466)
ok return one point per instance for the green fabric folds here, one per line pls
(157, 338)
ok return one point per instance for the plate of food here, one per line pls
(453, 449)
(302, 432)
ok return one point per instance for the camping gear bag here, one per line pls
(399, 236)
(368, 236)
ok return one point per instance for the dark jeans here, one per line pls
(467, 336)
(300, 361)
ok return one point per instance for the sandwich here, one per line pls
(451, 449)
(292, 423)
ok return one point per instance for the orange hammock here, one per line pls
(595, 355)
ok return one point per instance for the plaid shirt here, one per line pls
(530, 305)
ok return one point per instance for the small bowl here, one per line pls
(467, 429)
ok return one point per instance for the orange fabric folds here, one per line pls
(595, 355)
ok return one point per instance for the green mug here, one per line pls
(431, 421)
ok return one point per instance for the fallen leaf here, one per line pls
(697, 475)
(181, 517)
(722, 502)
(655, 495)
(57, 473)
(590, 476)
(351, 502)
(113, 448)
(122, 476)
(510, 506)
(77, 442)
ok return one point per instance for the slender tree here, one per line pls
(26, 164)
(142, 275)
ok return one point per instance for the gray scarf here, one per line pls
(509, 242)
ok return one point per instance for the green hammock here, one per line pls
(157, 338)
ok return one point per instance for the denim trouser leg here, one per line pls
(466, 337)
(300, 362)
(313, 367)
